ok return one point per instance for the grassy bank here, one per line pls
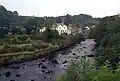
(13, 50)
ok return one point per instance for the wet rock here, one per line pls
(84, 47)
(7, 74)
(23, 64)
(83, 56)
(62, 52)
(43, 67)
(18, 75)
(76, 57)
(64, 62)
(43, 60)
(92, 49)
(32, 80)
(70, 51)
(43, 71)
(55, 62)
(23, 67)
(54, 66)
(73, 53)
(48, 72)
(12, 80)
(85, 52)
(1, 74)
(91, 55)
(15, 67)
(40, 64)
(45, 77)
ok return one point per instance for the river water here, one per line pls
(47, 68)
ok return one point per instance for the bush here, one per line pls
(77, 71)
(50, 35)
(82, 70)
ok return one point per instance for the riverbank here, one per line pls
(45, 50)
(48, 68)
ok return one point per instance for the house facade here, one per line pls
(42, 29)
(61, 28)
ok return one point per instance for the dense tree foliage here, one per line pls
(50, 35)
(6, 19)
(107, 36)
(83, 70)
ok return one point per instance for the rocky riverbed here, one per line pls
(47, 68)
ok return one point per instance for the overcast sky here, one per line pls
(96, 8)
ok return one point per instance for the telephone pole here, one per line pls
(26, 9)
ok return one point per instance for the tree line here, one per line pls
(11, 22)
(107, 36)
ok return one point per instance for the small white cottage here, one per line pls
(42, 29)
(62, 28)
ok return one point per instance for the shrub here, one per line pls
(82, 70)
(77, 71)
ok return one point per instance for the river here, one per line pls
(47, 68)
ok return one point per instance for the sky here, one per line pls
(96, 8)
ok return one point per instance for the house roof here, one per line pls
(60, 24)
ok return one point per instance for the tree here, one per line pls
(31, 25)
(67, 20)
(107, 37)
(4, 22)
(50, 35)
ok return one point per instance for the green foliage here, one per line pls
(77, 38)
(78, 71)
(107, 36)
(50, 35)
(19, 39)
(83, 70)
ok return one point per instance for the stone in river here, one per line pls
(43, 60)
(7, 74)
(55, 61)
(64, 62)
(23, 64)
(18, 75)
(54, 66)
(45, 77)
(40, 64)
(48, 72)
(76, 57)
(73, 53)
(84, 47)
(23, 67)
(12, 80)
(43, 71)
(15, 67)
(32, 80)
(43, 67)
(91, 55)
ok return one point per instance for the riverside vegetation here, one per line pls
(107, 57)
(19, 48)
(20, 39)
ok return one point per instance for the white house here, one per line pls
(42, 29)
(87, 28)
(61, 28)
